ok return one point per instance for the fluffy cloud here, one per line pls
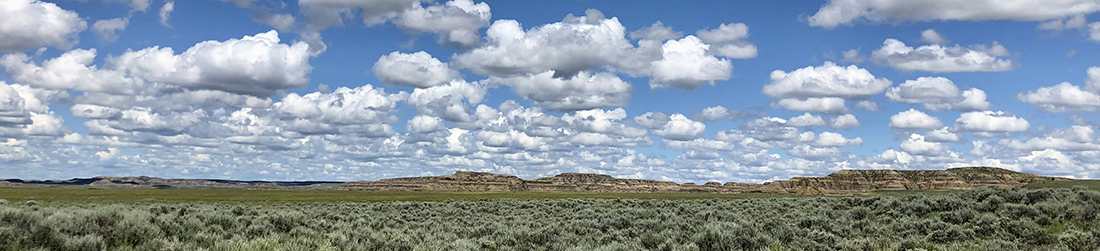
(914, 120)
(107, 30)
(844, 122)
(1073, 22)
(450, 101)
(916, 145)
(822, 105)
(456, 22)
(1074, 138)
(324, 13)
(91, 111)
(932, 37)
(680, 127)
(253, 65)
(973, 99)
(1062, 97)
(281, 22)
(806, 120)
(685, 65)
(719, 112)
(1093, 82)
(418, 69)
(868, 105)
(827, 80)
(72, 70)
(605, 128)
(945, 134)
(765, 129)
(598, 43)
(166, 13)
(936, 58)
(657, 32)
(853, 56)
(822, 88)
(28, 24)
(582, 92)
(344, 106)
(510, 50)
(989, 121)
(924, 90)
(832, 139)
(814, 153)
(425, 124)
(938, 93)
(728, 40)
(1094, 31)
(12, 111)
(838, 12)
(24, 112)
(653, 120)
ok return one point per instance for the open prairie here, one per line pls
(986, 218)
(241, 196)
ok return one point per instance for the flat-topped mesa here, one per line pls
(461, 181)
(841, 182)
(860, 181)
(589, 182)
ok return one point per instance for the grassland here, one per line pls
(979, 219)
(109, 196)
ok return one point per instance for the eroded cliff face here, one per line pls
(461, 181)
(859, 181)
(841, 182)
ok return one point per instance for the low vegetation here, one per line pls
(978, 219)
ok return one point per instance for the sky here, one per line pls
(697, 91)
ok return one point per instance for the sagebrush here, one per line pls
(980, 219)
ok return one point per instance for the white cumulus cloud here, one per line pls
(107, 30)
(253, 65)
(936, 58)
(582, 92)
(846, 12)
(417, 69)
(827, 80)
(28, 24)
(728, 40)
(680, 127)
(938, 93)
(685, 65)
(990, 121)
(914, 120)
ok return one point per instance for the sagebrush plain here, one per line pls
(987, 218)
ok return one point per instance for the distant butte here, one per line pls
(841, 182)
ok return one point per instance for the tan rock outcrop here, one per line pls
(841, 182)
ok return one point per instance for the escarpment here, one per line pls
(841, 182)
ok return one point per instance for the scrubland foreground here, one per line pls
(986, 218)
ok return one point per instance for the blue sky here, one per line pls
(687, 92)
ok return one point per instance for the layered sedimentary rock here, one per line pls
(461, 181)
(841, 182)
(858, 181)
